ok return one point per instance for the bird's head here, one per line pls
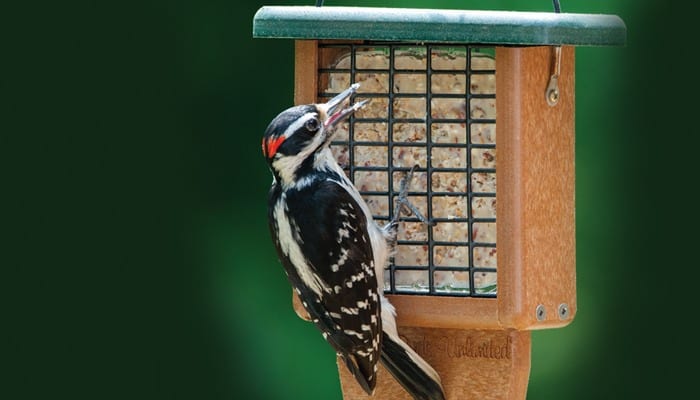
(298, 134)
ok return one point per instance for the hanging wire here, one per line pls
(557, 6)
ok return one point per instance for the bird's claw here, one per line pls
(402, 200)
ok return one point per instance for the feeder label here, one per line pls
(463, 346)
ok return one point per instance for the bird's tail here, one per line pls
(364, 373)
(410, 370)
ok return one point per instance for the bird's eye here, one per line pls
(313, 125)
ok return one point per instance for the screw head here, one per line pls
(552, 92)
(541, 312)
(563, 311)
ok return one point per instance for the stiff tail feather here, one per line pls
(410, 370)
(363, 373)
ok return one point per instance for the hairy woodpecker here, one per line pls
(333, 251)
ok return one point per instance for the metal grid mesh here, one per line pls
(432, 106)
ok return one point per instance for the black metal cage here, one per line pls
(433, 106)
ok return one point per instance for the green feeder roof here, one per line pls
(442, 26)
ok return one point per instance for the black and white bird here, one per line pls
(333, 251)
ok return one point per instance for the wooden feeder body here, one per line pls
(480, 346)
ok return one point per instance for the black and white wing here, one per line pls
(330, 263)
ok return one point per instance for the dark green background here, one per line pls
(137, 262)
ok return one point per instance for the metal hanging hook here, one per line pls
(552, 92)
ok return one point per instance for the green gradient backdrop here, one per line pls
(140, 227)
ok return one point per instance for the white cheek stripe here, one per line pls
(292, 250)
(287, 166)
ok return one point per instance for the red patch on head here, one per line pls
(270, 146)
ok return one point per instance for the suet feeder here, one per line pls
(499, 260)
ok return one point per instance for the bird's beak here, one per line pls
(335, 113)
